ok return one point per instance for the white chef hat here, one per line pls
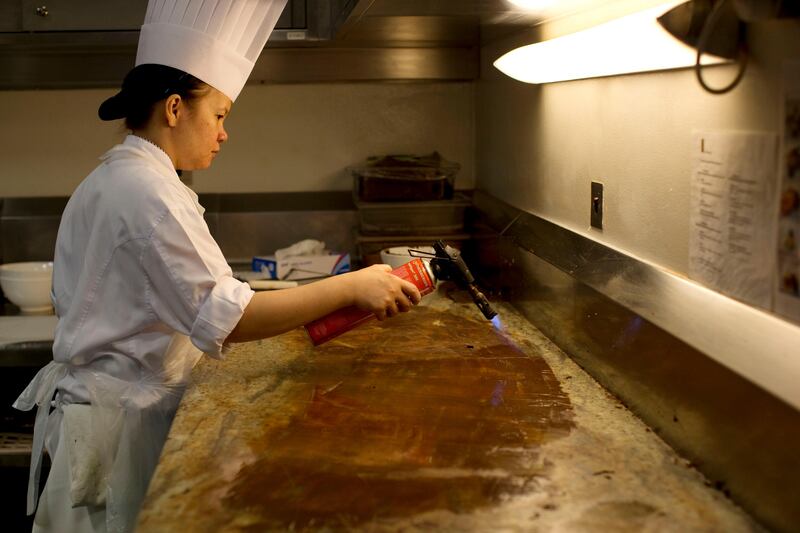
(216, 41)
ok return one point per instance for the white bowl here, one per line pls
(27, 270)
(398, 255)
(27, 285)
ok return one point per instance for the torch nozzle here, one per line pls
(482, 303)
(447, 263)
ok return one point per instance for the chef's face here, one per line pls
(201, 130)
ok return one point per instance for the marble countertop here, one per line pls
(432, 420)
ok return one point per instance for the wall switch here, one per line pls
(597, 205)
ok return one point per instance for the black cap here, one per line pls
(143, 85)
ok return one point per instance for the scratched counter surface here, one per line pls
(432, 420)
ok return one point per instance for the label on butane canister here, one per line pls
(338, 322)
(417, 272)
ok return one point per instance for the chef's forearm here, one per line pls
(274, 312)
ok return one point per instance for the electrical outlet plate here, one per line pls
(596, 206)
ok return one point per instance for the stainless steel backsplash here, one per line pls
(578, 293)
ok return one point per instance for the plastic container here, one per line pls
(437, 217)
(404, 178)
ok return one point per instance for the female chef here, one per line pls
(140, 287)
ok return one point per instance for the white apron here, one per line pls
(127, 424)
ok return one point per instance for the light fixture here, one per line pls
(713, 27)
(718, 27)
(632, 43)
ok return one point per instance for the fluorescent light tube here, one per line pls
(633, 43)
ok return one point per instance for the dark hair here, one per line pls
(145, 85)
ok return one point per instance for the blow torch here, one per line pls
(447, 264)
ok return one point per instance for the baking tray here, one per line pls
(413, 218)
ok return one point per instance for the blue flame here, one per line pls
(498, 325)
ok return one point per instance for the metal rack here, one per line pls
(15, 449)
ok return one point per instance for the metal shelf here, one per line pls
(15, 449)
(34, 354)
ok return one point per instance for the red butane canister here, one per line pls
(326, 328)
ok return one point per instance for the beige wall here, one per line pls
(283, 137)
(539, 147)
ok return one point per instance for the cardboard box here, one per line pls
(302, 266)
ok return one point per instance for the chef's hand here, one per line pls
(379, 291)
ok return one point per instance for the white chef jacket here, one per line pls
(134, 263)
(137, 281)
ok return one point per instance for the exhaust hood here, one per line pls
(52, 44)
(57, 44)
